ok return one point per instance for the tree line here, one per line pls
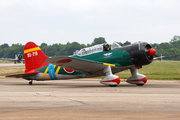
(171, 50)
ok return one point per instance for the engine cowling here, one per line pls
(141, 53)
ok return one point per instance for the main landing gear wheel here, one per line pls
(139, 84)
(112, 85)
(30, 83)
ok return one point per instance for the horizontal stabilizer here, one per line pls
(23, 75)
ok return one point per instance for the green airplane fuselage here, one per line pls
(117, 57)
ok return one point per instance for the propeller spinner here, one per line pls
(151, 52)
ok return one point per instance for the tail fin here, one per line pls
(34, 57)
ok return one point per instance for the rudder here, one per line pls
(34, 57)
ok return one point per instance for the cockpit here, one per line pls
(90, 50)
(97, 48)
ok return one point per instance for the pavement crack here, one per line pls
(78, 101)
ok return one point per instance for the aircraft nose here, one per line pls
(141, 53)
(151, 52)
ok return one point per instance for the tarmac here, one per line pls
(87, 99)
(2, 65)
(84, 99)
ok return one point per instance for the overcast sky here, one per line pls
(62, 21)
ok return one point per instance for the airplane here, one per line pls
(98, 60)
(159, 58)
(18, 58)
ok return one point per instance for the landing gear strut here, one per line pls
(30, 82)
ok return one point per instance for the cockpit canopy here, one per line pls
(90, 50)
(96, 49)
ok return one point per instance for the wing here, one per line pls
(8, 59)
(90, 68)
(158, 58)
(23, 75)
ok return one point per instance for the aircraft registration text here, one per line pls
(32, 54)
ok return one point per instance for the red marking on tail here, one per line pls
(34, 57)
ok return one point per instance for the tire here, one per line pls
(30, 83)
(112, 85)
(139, 84)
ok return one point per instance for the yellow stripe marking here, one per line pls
(57, 70)
(45, 72)
(49, 77)
(109, 64)
(31, 50)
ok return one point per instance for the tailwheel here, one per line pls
(30, 83)
(139, 84)
(112, 85)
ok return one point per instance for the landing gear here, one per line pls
(14, 62)
(30, 82)
(136, 78)
(110, 79)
